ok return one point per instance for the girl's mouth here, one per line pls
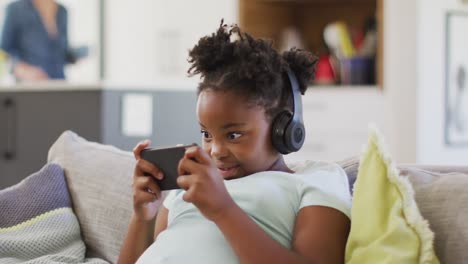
(228, 172)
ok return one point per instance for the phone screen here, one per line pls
(167, 160)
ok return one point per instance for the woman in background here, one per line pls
(35, 37)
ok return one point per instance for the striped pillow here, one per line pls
(37, 222)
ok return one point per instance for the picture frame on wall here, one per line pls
(456, 80)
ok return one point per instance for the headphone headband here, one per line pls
(296, 93)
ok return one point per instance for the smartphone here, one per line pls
(167, 160)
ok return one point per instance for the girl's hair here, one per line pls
(231, 60)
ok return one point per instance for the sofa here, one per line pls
(99, 179)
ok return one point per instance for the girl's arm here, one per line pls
(140, 236)
(143, 225)
(320, 236)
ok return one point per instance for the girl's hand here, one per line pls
(146, 192)
(203, 184)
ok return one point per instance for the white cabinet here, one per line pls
(336, 121)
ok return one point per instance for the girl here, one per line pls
(240, 202)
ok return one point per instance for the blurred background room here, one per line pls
(399, 64)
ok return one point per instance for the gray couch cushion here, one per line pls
(350, 166)
(442, 200)
(99, 179)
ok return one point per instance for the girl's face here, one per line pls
(235, 135)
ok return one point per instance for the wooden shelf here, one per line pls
(332, 2)
(269, 18)
(343, 87)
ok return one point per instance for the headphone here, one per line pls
(288, 132)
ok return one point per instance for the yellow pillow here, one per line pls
(386, 225)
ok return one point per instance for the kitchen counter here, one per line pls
(166, 84)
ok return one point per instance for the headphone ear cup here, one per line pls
(278, 131)
(295, 136)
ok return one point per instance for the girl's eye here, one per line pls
(234, 135)
(205, 134)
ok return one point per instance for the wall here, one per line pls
(414, 81)
(83, 29)
(400, 82)
(431, 87)
(149, 39)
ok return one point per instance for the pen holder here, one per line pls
(357, 70)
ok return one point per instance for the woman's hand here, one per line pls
(203, 184)
(26, 72)
(146, 192)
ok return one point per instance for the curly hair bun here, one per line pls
(211, 52)
(230, 50)
(302, 63)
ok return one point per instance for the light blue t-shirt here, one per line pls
(272, 199)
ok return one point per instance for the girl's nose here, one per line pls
(218, 150)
